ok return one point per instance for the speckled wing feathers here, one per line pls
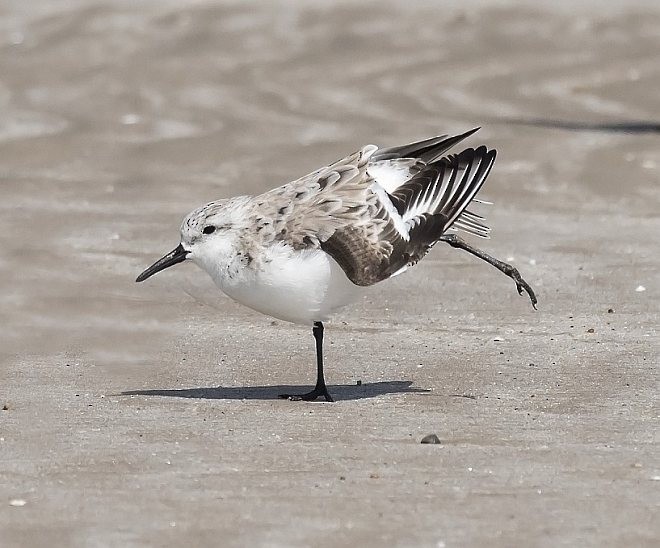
(307, 211)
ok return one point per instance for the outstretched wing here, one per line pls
(394, 167)
(447, 186)
(371, 234)
(413, 217)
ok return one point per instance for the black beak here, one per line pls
(173, 257)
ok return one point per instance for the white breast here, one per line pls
(296, 286)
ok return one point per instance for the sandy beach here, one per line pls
(147, 414)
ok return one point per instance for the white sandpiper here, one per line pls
(304, 250)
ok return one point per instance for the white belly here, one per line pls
(296, 286)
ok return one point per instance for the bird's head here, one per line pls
(205, 237)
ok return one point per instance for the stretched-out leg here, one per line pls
(456, 241)
(320, 389)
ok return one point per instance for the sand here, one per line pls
(147, 414)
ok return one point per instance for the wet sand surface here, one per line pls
(147, 415)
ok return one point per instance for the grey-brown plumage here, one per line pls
(372, 234)
(371, 226)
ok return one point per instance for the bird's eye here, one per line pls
(209, 229)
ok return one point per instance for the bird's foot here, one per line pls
(309, 396)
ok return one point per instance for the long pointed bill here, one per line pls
(173, 257)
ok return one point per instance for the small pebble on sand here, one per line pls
(431, 438)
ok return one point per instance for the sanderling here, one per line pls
(304, 250)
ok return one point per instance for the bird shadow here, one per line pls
(338, 391)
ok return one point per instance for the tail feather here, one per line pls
(478, 229)
(472, 223)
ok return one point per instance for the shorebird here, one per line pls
(302, 251)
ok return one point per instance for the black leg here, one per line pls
(320, 389)
(455, 241)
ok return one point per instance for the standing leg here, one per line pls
(320, 389)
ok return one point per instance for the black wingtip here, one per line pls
(462, 136)
(452, 141)
(427, 150)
